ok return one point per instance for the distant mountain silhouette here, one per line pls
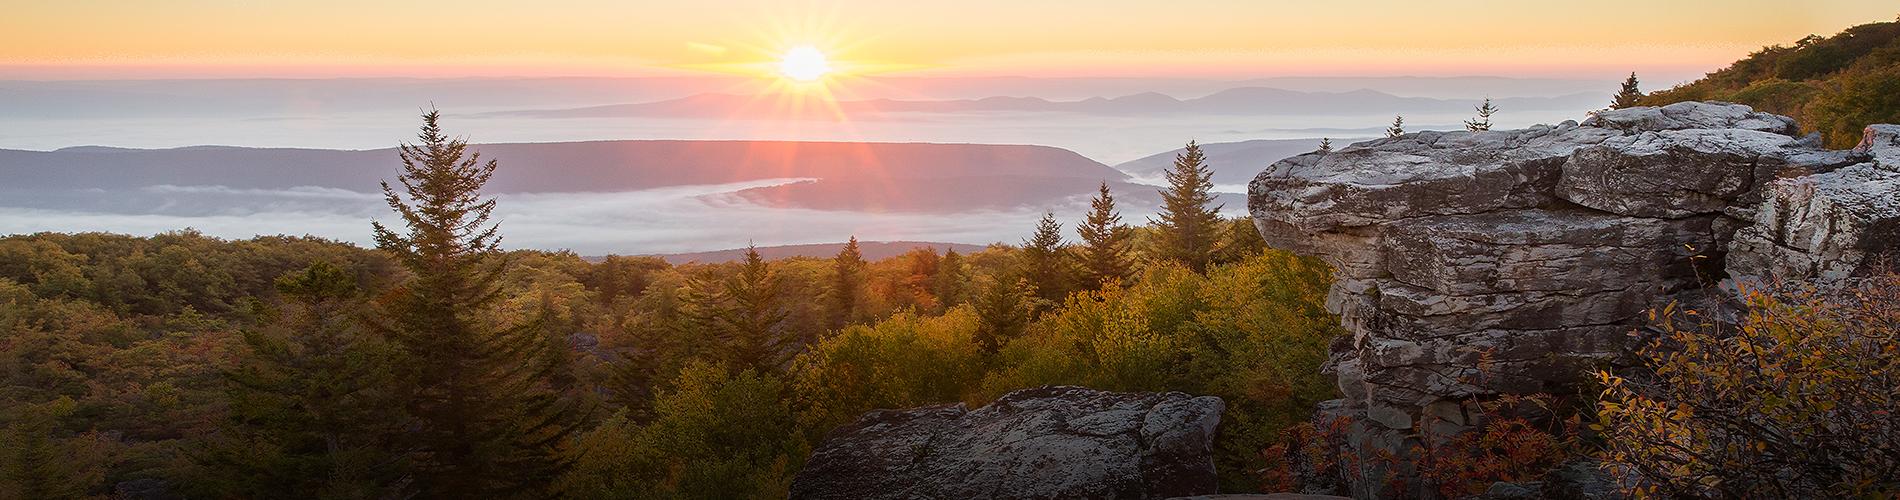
(1244, 100)
(1232, 162)
(884, 176)
(872, 250)
(251, 97)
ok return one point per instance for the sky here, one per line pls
(113, 39)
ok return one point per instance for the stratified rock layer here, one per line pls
(1050, 442)
(1472, 264)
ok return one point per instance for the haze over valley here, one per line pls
(685, 164)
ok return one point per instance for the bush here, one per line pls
(1798, 401)
(901, 362)
(1511, 445)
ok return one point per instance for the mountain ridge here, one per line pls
(577, 166)
(1238, 100)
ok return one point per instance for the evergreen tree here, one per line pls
(483, 423)
(1105, 240)
(1189, 229)
(1483, 121)
(950, 283)
(847, 271)
(1004, 309)
(1628, 95)
(1325, 144)
(310, 402)
(35, 463)
(752, 329)
(1044, 264)
(920, 283)
(1240, 241)
(1397, 128)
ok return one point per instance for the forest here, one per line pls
(438, 364)
(1834, 85)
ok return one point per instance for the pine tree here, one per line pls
(483, 423)
(1003, 310)
(847, 271)
(1483, 121)
(1105, 240)
(1397, 128)
(950, 283)
(752, 329)
(1044, 264)
(1628, 95)
(1325, 144)
(1188, 229)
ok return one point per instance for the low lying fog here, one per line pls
(667, 220)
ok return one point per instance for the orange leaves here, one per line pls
(1508, 447)
(1798, 399)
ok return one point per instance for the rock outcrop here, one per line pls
(1050, 442)
(1472, 264)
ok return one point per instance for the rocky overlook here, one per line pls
(1473, 264)
(1049, 442)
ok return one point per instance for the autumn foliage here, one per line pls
(1798, 400)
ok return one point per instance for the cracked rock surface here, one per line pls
(1472, 264)
(1048, 442)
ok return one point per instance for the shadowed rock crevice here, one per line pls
(1473, 264)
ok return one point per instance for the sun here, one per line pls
(804, 63)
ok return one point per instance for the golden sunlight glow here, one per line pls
(804, 63)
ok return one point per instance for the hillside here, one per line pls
(892, 172)
(1832, 85)
(594, 166)
(1232, 162)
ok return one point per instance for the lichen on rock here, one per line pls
(1048, 442)
(1474, 264)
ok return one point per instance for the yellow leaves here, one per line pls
(1803, 372)
(1683, 412)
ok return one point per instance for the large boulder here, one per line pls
(1475, 264)
(1044, 443)
(1830, 227)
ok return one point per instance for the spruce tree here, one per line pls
(1483, 121)
(1105, 240)
(951, 282)
(1325, 144)
(1397, 128)
(35, 463)
(1628, 95)
(483, 422)
(847, 272)
(752, 329)
(1240, 241)
(1004, 308)
(312, 393)
(1189, 229)
(1044, 264)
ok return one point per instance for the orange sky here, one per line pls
(203, 38)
